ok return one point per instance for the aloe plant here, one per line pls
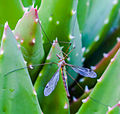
(42, 33)
(15, 86)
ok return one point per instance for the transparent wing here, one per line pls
(84, 71)
(52, 83)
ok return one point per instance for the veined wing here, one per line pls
(84, 71)
(52, 83)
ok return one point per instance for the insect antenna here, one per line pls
(44, 32)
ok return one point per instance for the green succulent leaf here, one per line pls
(102, 65)
(87, 29)
(109, 40)
(95, 20)
(57, 102)
(107, 92)
(78, 102)
(10, 12)
(37, 3)
(55, 18)
(114, 110)
(75, 56)
(28, 34)
(1, 32)
(17, 94)
(27, 3)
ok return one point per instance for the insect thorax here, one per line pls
(61, 63)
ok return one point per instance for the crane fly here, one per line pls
(50, 86)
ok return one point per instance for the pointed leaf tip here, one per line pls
(6, 25)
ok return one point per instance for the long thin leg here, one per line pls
(69, 53)
(67, 48)
(75, 81)
(26, 67)
(86, 92)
